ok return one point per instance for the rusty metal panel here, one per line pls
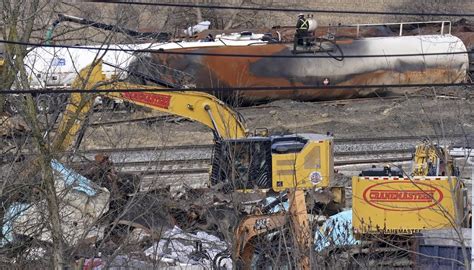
(403, 206)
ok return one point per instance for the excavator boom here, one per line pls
(196, 106)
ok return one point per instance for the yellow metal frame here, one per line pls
(78, 107)
(427, 154)
(295, 170)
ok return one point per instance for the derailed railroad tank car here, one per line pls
(440, 58)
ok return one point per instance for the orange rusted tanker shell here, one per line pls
(228, 71)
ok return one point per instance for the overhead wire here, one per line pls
(167, 52)
(282, 9)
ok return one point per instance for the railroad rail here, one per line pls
(190, 164)
(338, 142)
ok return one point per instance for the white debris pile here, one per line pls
(180, 248)
(198, 28)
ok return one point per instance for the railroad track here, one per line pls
(349, 144)
(190, 164)
(202, 165)
(344, 149)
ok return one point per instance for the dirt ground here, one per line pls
(429, 112)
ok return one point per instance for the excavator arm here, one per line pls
(196, 106)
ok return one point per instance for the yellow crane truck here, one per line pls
(390, 201)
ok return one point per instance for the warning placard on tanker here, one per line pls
(393, 205)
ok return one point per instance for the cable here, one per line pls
(229, 89)
(161, 51)
(277, 9)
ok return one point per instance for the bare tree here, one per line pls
(142, 210)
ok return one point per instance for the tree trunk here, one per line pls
(45, 156)
(198, 15)
(19, 19)
(57, 259)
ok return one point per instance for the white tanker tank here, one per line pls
(358, 61)
(50, 67)
(448, 63)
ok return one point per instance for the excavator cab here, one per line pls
(277, 162)
(243, 164)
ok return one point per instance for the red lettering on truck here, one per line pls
(402, 196)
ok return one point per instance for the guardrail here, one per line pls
(443, 26)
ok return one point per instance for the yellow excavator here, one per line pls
(433, 160)
(241, 161)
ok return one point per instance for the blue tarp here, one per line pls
(72, 178)
(11, 214)
(336, 232)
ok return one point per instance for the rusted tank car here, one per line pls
(340, 69)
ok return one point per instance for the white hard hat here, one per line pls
(301, 14)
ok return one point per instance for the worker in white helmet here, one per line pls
(302, 27)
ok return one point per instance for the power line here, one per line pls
(161, 51)
(229, 89)
(281, 9)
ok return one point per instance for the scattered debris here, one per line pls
(179, 248)
(11, 126)
(198, 28)
(336, 232)
(82, 204)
